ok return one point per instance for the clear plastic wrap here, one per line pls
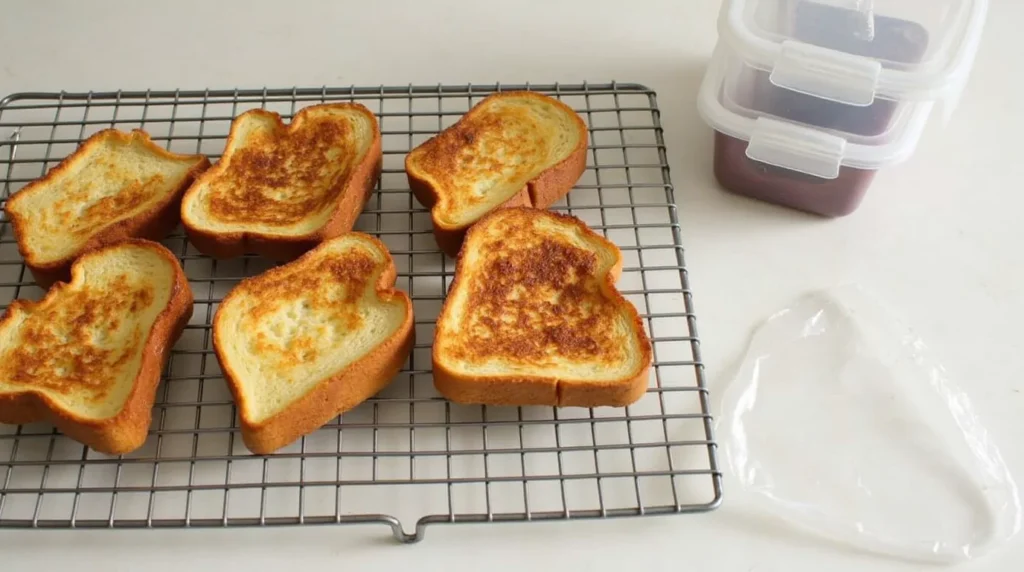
(839, 423)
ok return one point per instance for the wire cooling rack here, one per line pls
(406, 455)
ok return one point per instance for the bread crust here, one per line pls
(538, 390)
(540, 192)
(153, 224)
(334, 395)
(351, 200)
(127, 430)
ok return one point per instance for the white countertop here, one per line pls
(938, 237)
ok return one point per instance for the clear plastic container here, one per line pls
(848, 64)
(777, 151)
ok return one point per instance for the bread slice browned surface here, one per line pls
(533, 317)
(511, 149)
(88, 356)
(311, 339)
(115, 186)
(280, 190)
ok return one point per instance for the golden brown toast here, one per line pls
(281, 190)
(511, 149)
(533, 317)
(308, 340)
(115, 186)
(88, 356)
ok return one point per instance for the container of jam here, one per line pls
(810, 98)
(799, 164)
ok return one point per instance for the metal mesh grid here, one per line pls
(406, 455)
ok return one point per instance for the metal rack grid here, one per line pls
(406, 455)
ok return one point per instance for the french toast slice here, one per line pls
(280, 190)
(116, 185)
(533, 317)
(88, 356)
(512, 149)
(308, 340)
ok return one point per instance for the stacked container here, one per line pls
(810, 98)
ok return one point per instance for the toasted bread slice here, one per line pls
(533, 317)
(88, 356)
(308, 340)
(511, 149)
(115, 186)
(279, 191)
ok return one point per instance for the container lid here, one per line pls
(853, 51)
(725, 103)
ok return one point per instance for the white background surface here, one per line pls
(939, 237)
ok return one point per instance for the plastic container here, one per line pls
(783, 155)
(892, 39)
(848, 64)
